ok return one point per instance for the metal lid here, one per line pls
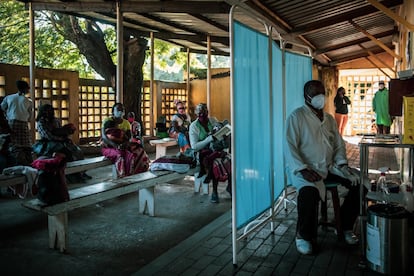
(388, 211)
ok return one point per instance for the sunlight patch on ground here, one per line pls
(352, 139)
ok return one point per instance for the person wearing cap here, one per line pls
(200, 134)
(380, 105)
(19, 112)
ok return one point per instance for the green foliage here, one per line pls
(53, 51)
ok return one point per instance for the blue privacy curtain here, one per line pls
(298, 71)
(253, 135)
(251, 123)
(278, 119)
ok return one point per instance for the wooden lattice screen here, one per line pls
(360, 89)
(96, 99)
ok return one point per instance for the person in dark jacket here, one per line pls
(341, 109)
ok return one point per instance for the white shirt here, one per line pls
(312, 143)
(17, 107)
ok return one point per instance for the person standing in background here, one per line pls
(380, 105)
(19, 112)
(341, 109)
(6, 160)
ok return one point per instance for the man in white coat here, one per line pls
(315, 149)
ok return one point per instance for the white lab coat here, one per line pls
(314, 144)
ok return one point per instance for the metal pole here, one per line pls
(152, 95)
(208, 72)
(32, 70)
(120, 53)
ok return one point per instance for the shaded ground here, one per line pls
(110, 238)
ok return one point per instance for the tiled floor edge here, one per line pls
(177, 251)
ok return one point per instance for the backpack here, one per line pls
(51, 179)
(222, 168)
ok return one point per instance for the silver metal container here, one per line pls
(387, 246)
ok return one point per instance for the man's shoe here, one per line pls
(350, 237)
(214, 198)
(304, 247)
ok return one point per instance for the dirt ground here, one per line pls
(110, 238)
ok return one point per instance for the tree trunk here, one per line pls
(90, 41)
(134, 57)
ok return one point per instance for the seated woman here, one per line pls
(129, 158)
(201, 140)
(179, 126)
(136, 135)
(55, 139)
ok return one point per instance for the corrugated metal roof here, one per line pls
(325, 26)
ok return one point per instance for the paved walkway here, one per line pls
(209, 251)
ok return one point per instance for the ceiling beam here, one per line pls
(159, 33)
(379, 68)
(211, 22)
(357, 55)
(263, 9)
(338, 18)
(377, 41)
(391, 14)
(135, 6)
(169, 23)
(374, 57)
(202, 52)
(352, 43)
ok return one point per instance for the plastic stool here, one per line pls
(332, 187)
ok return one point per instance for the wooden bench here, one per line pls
(71, 167)
(87, 164)
(161, 146)
(92, 194)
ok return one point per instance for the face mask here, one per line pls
(119, 113)
(130, 120)
(318, 102)
(203, 117)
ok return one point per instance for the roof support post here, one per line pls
(188, 74)
(120, 53)
(32, 69)
(152, 95)
(208, 72)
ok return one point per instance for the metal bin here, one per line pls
(387, 246)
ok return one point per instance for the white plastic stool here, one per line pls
(197, 184)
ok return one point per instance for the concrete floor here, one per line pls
(189, 236)
(109, 238)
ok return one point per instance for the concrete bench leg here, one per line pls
(114, 172)
(198, 182)
(58, 227)
(146, 201)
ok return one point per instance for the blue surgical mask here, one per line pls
(119, 113)
(318, 102)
